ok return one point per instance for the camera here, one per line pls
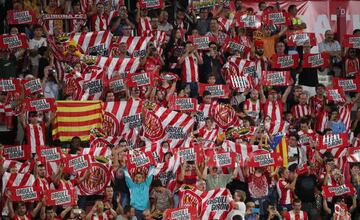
(52, 72)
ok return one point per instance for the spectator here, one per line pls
(331, 46)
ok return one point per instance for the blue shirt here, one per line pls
(139, 192)
(337, 127)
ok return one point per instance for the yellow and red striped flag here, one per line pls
(77, 118)
(282, 149)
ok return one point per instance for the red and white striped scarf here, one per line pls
(136, 46)
(321, 121)
(209, 136)
(6, 115)
(100, 22)
(90, 40)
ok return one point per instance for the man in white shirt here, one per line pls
(331, 46)
(164, 25)
(34, 44)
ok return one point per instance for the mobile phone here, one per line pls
(256, 210)
(77, 211)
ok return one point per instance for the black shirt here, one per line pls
(308, 77)
(305, 186)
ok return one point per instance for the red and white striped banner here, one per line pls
(216, 91)
(163, 123)
(122, 118)
(319, 60)
(345, 114)
(21, 17)
(24, 167)
(183, 104)
(64, 197)
(242, 150)
(16, 179)
(120, 65)
(93, 43)
(96, 151)
(335, 95)
(10, 41)
(25, 194)
(138, 160)
(216, 204)
(276, 78)
(136, 46)
(354, 155)
(276, 18)
(284, 61)
(39, 105)
(300, 39)
(351, 41)
(347, 85)
(93, 85)
(339, 190)
(20, 152)
(201, 42)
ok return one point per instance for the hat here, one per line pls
(72, 43)
(259, 43)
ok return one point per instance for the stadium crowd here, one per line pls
(178, 110)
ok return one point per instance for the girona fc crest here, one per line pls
(98, 180)
(224, 116)
(110, 125)
(152, 126)
(190, 199)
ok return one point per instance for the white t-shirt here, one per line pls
(36, 44)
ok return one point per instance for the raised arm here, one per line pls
(262, 95)
(128, 179)
(150, 175)
(37, 208)
(286, 94)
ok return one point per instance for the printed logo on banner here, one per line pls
(12, 41)
(50, 154)
(14, 152)
(285, 61)
(218, 204)
(183, 104)
(180, 214)
(140, 160)
(94, 86)
(316, 60)
(116, 85)
(7, 85)
(223, 159)
(32, 86)
(264, 159)
(224, 115)
(98, 180)
(78, 163)
(133, 121)
(20, 17)
(139, 79)
(27, 193)
(40, 104)
(152, 126)
(187, 154)
(98, 50)
(60, 197)
(215, 91)
(202, 43)
(332, 141)
(110, 124)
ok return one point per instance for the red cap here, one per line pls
(259, 43)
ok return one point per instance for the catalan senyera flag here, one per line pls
(77, 118)
(282, 149)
